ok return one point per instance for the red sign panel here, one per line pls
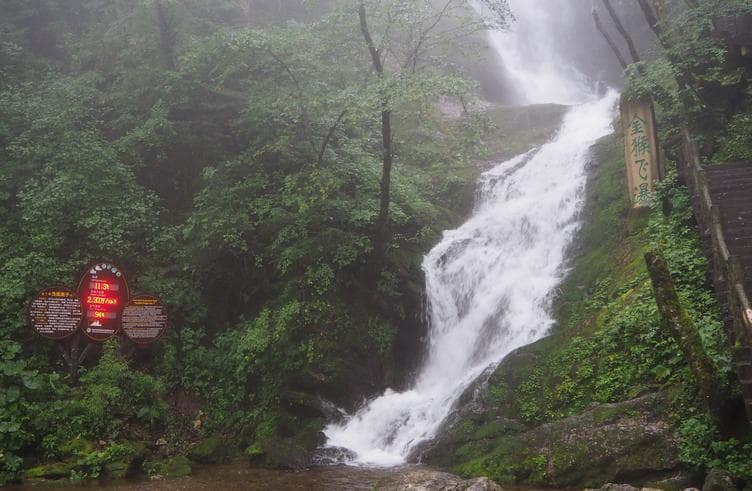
(103, 292)
(55, 313)
(144, 319)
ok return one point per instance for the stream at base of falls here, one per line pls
(232, 477)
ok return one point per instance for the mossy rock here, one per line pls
(56, 470)
(78, 446)
(215, 449)
(179, 466)
(126, 460)
(287, 452)
(719, 480)
(118, 469)
(175, 467)
(630, 441)
(521, 128)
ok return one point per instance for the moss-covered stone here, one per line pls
(611, 442)
(178, 466)
(295, 452)
(175, 467)
(285, 441)
(215, 449)
(719, 480)
(124, 459)
(56, 470)
(78, 446)
(520, 128)
(118, 469)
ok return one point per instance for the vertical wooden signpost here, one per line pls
(640, 150)
(98, 311)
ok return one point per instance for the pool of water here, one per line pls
(241, 477)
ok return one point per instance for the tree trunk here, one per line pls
(620, 27)
(166, 36)
(382, 224)
(329, 136)
(652, 20)
(381, 233)
(683, 331)
(609, 40)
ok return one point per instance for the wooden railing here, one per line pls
(728, 273)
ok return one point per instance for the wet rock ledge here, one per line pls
(431, 480)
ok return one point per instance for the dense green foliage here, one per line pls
(230, 162)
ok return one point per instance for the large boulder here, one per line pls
(214, 449)
(719, 480)
(630, 441)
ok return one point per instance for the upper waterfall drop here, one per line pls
(531, 55)
(489, 283)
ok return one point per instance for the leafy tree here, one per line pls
(408, 35)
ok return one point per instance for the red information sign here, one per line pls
(55, 313)
(144, 319)
(103, 292)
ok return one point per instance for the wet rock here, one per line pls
(718, 480)
(681, 480)
(618, 487)
(431, 480)
(332, 456)
(482, 484)
(294, 451)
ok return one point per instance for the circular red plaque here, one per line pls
(103, 292)
(144, 319)
(55, 313)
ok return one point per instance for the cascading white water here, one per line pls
(531, 52)
(489, 283)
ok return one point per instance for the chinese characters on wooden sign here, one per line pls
(640, 150)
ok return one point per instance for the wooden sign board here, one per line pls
(144, 319)
(55, 313)
(103, 292)
(640, 150)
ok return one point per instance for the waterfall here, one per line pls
(489, 283)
